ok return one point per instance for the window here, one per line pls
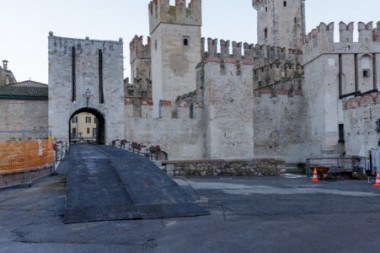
(73, 75)
(341, 134)
(94, 132)
(191, 111)
(266, 9)
(285, 3)
(378, 126)
(74, 119)
(366, 73)
(101, 92)
(88, 119)
(265, 33)
(74, 131)
(88, 130)
(186, 41)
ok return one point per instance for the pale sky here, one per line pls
(26, 24)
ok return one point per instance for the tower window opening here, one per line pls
(186, 41)
(285, 3)
(265, 33)
(266, 9)
(341, 133)
(366, 73)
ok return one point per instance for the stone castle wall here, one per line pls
(280, 23)
(180, 129)
(227, 87)
(175, 34)
(362, 125)
(196, 168)
(141, 67)
(17, 115)
(280, 129)
(334, 70)
(74, 69)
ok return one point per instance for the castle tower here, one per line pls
(175, 48)
(280, 22)
(140, 60)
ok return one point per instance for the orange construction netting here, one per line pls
(16, 156)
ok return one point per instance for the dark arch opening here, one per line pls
(87, 125)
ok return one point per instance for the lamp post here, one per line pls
(88, 95)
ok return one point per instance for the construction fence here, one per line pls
(25, 156)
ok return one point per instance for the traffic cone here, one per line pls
(377, 183)
(315, 176)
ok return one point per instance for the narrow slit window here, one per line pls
(186, 41)
(265, 33)
(341, 134)
(191, 111)
(366, 73)
(285, 4)
(101, 93)
(73, 75)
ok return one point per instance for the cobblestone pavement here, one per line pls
(280, 214)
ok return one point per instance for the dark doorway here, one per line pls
(87, 125)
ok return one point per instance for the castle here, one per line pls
(291, 96)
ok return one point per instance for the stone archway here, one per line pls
(86, 76)
(90, 131)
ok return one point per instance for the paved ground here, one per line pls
(246, 215)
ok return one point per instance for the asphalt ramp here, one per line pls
(105, 183)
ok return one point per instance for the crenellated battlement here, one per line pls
(258, 4)
(346, 32)
(248, 54)
(160, 11)
(376, 33)
(323, 35)
(138, 49)
(181, 109)
(321, 40)
(365, 32)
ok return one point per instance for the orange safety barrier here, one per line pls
(16, 156)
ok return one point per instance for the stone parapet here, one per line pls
(160, 11)
(255, 167)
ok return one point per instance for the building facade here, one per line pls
(291, 96)
(86, 76)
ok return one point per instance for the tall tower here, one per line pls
(175, 48)
(280, 22)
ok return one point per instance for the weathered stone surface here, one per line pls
(255, 167)
(85, 54)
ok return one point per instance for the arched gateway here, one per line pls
(86, 76)
(87, 125)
